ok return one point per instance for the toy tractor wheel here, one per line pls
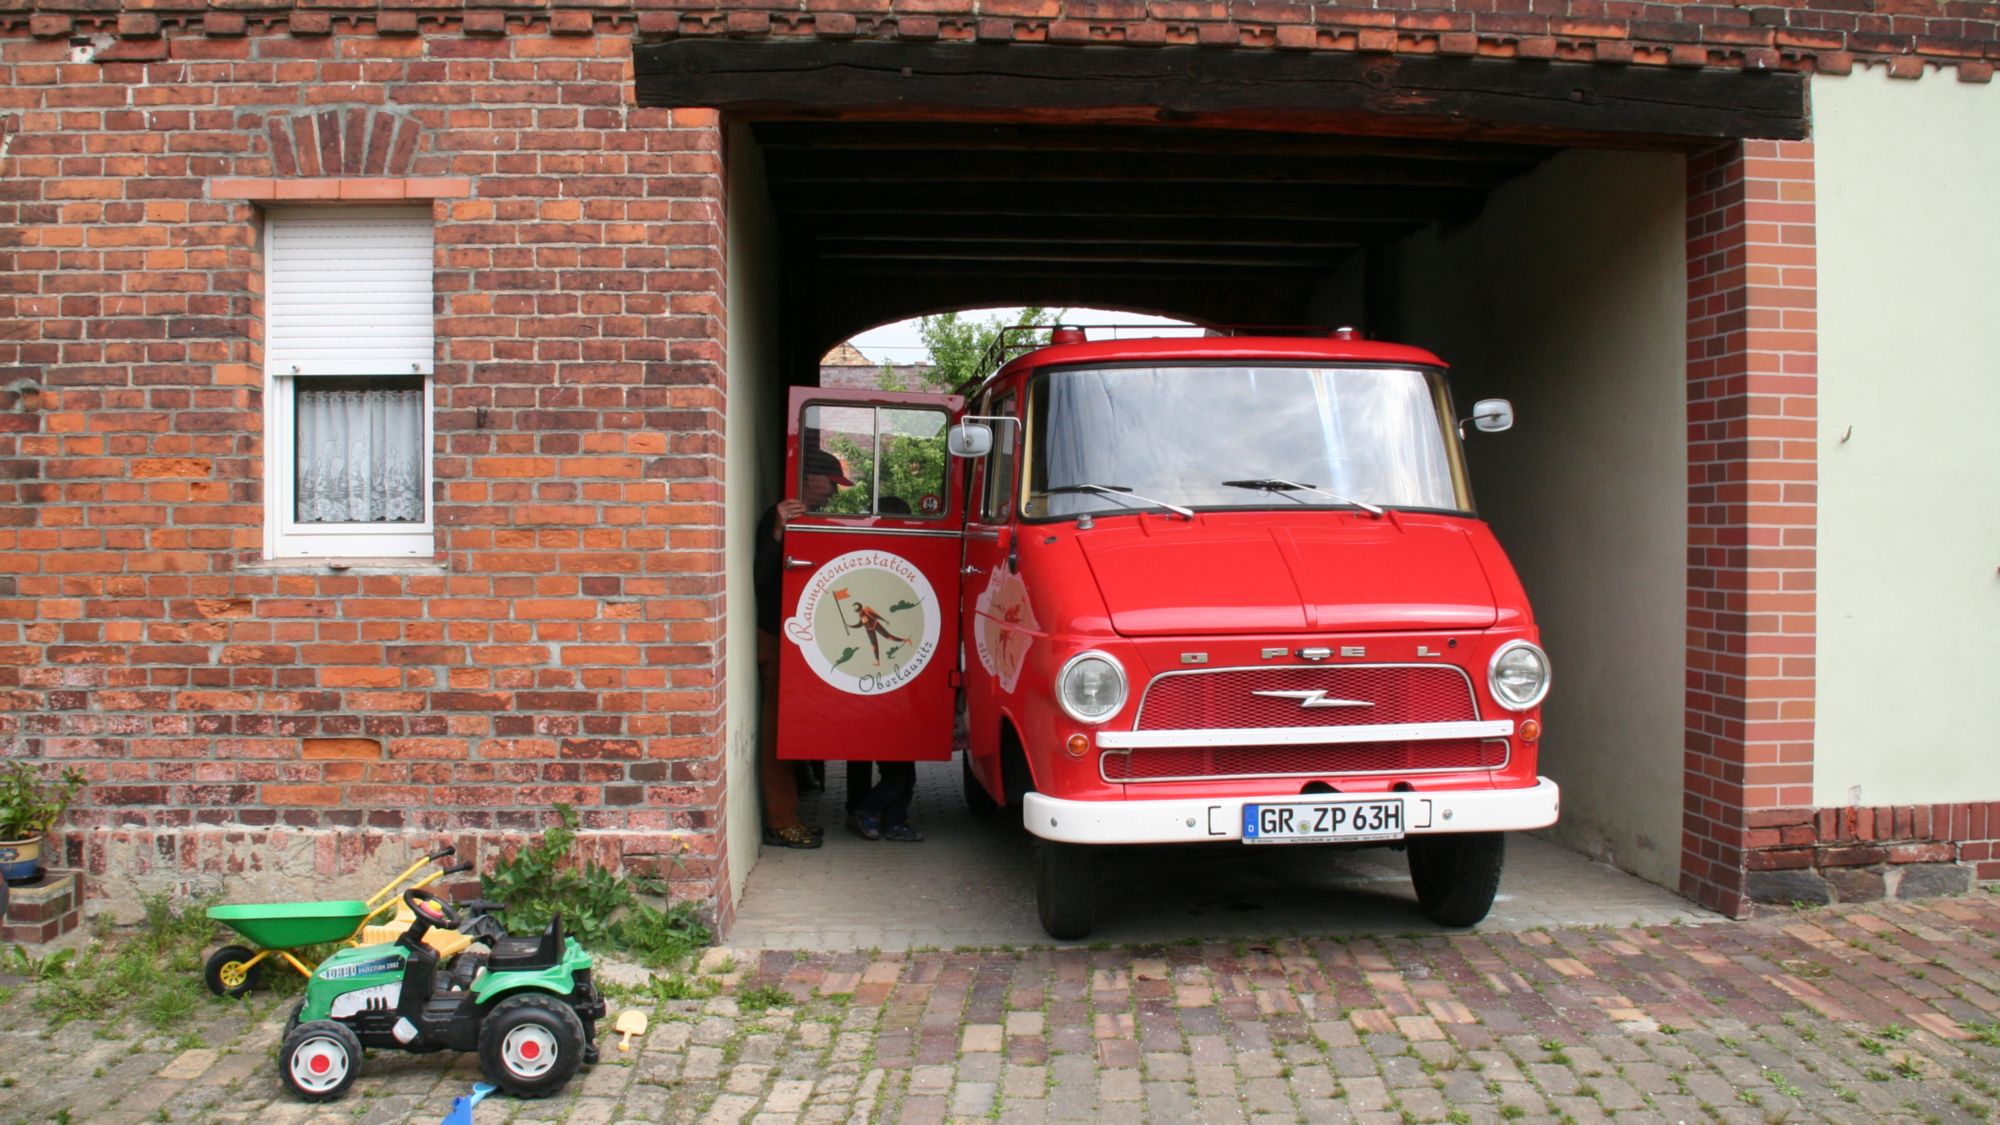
(229, 973)
(531, 1044)
(319, 1060)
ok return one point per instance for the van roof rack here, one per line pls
(1019, 339)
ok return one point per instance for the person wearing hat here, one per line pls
(823, 477)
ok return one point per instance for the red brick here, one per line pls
(281, 796)
(340, 748)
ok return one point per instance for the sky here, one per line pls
(899, 342)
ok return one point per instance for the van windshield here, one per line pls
(1239, 437)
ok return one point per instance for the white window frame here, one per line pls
(284, 371)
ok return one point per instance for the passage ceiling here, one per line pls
(884, 219)
(1216, 184)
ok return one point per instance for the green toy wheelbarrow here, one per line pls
(278, 928)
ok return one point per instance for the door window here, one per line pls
(1000, 463)
(893, 459)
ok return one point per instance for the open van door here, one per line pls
(868, 643)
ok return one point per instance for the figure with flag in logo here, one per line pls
(868, 621)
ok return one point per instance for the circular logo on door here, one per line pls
(867, 622)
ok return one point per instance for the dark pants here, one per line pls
(889, 799)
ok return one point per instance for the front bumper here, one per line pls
(1193, 820)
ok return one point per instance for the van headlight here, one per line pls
(1091, 687)
(1518, 675)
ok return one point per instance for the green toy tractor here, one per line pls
(527, 1006)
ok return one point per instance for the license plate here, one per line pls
(1323, 822)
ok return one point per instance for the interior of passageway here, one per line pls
(972, 883)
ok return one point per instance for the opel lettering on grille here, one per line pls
(1316, 698)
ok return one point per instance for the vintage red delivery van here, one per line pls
(1223, 588)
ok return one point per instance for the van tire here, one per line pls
(1456, 876)
(977, 798)
(1066, 890)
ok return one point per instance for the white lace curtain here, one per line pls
(359, 456)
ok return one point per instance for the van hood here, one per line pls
(1391, 574)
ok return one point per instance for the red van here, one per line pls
(1172, 590)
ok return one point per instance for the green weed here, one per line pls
(678, 986)
(762, 998)
(600, 907)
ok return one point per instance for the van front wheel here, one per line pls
(1456, 876)
(1066, 890)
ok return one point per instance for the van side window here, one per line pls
(1000, 463)
(894, 456)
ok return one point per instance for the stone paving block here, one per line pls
(923, 1110)
(1662, 1023)
(1119, 1086)
(1024, 1081)
(982, 1037)
(1218, 1111)
(1214, 1081)
(1366, 1094)
(188, 1065)
(1027, 1112)
(973, 1099)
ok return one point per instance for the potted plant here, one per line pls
(29, 806)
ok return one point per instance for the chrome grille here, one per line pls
(1191, 763)
(1222, 698)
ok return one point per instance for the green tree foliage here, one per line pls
(956, 344)
(913, 467)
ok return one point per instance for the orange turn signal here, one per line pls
(1531, 729)
(1078, 745)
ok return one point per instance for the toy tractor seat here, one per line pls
(513, 954)
(448, 943)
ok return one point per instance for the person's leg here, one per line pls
(781, 791)
(892, 798)
(860, 779)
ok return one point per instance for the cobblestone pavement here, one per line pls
(973, 882)
(1879, 1013)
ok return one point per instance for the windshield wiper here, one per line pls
(1275, 484)
(1119, 492)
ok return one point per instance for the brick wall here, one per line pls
(566, 644)
(1858, 854)
(1752, 472)
(1824, 35)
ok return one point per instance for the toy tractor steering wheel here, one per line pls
(428, 906)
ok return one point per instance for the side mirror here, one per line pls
(1493, 415)
(970, 439)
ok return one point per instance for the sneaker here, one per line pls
(902, 834)
(866, 827)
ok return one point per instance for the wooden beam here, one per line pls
(944, 270)
(1207, 202)
(1122, 229)
(914, 168)
(1421, 95)
(1221, 240)
(922, 255)
(945, 138)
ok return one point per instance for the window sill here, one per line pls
(346, 566)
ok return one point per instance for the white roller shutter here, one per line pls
(347, 291)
